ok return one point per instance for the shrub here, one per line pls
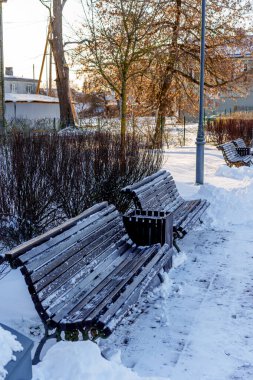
(27, 201)
(222, 130)
(45, 179)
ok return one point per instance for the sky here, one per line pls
(25, 27)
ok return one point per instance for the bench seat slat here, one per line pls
(64, 283)
(189, 222)
(184, 211)
(84, 298)
(87, 282)
(99, 299)
(133, 292)
(83, 259)
(115, 292)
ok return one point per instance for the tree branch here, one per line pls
(76, 42)
(63, 3)
(42, 2)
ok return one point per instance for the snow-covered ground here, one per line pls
(198, 324)
(9, 345)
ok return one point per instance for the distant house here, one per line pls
(231, 101)
(22, 102)
(31, 106)
(18, 85)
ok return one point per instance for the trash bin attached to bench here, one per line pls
(158, 192)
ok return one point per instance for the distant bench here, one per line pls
(87, 273)
(232, 156)
(158, 192)
(241, 147)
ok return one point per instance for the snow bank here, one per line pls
(242, 173)
(229, 206)
(8, 345)
(79, 361)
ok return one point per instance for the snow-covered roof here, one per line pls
(29, 98)
(16, 78)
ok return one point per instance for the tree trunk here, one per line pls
(123, 122)
(62, 70)
(164, 102)
(123, 116)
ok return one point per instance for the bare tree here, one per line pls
(149, 50)
(62, 69)
(174, 76)
(120, 35)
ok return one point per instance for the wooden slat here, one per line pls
(184, 212)
(68, 237)
(164, 189)
(97, 300)
(84, 259)
(161, 187)
(137, 287)
(144, 181)
(157, 183)
(22, 248)
(187, 224)
(89, 281)
(40, 265)
(164, 196)
(83, 298)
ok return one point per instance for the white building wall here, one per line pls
(32, 111)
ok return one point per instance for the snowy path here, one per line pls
(220, 344)
(199, 326)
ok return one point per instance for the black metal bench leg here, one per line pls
(36, 358)
(160, 276)
(176, 246)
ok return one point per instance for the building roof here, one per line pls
(29, 98)
(19, 79)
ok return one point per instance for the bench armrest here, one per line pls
(149, 227)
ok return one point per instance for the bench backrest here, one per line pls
(69, 259)
(156, 192)
(239, 143)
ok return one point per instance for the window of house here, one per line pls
(13, 88)
(29, 88)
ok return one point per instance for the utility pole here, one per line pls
(2, 102)
(200, 142)
(50, 80)
(43, 59)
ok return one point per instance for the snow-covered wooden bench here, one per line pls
(87, 273)
(158, 192)
(232, 157)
